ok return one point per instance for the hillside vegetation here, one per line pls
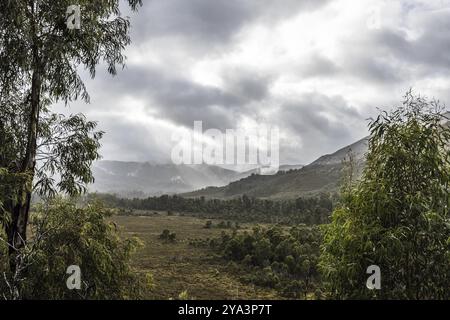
(322, 176)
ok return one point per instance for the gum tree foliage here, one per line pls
(65, 234)
(39, 63)
(397, 215)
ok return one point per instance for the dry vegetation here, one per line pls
(178, 266)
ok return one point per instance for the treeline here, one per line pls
(284, 259)
(302, 210)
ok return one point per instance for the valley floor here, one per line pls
(179, 266)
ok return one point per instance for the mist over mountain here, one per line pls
(322, 175)
(141, 179)
(131, 179)
(145, 179)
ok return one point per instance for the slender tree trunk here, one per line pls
(17, 229)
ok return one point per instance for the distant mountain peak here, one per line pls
(322, 175)
(358, 150)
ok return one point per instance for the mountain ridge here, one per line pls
(142, 179)
(322, 175)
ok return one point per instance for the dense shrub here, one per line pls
(208, 224)
(168, 236)
(397, 216)
(281, 258)
(65, 234)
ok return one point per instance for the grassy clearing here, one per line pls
(178, 266)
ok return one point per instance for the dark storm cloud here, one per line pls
(202, 20)
(432, 47)
(183, 101)
(211, 22)
(320, 123)
(310, 115)
(375, 69)
(319, 66)
(367, 67)
(250, 86)
(283, 9)
(385, 54)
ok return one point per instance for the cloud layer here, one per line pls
(317, 69)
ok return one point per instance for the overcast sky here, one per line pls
(315, 68)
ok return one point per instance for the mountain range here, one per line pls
(322, 175)
(132, 179)
(142, 179)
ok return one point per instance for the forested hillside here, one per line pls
(323, 175)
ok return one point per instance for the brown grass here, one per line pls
(179, 266)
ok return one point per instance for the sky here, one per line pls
(316, 69)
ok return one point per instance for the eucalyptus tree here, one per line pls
(397, 216)
(40, 58)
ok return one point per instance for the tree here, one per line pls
(396, 216)
(39, 62)
(208, 224)
(63, 235)
(168, 236)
